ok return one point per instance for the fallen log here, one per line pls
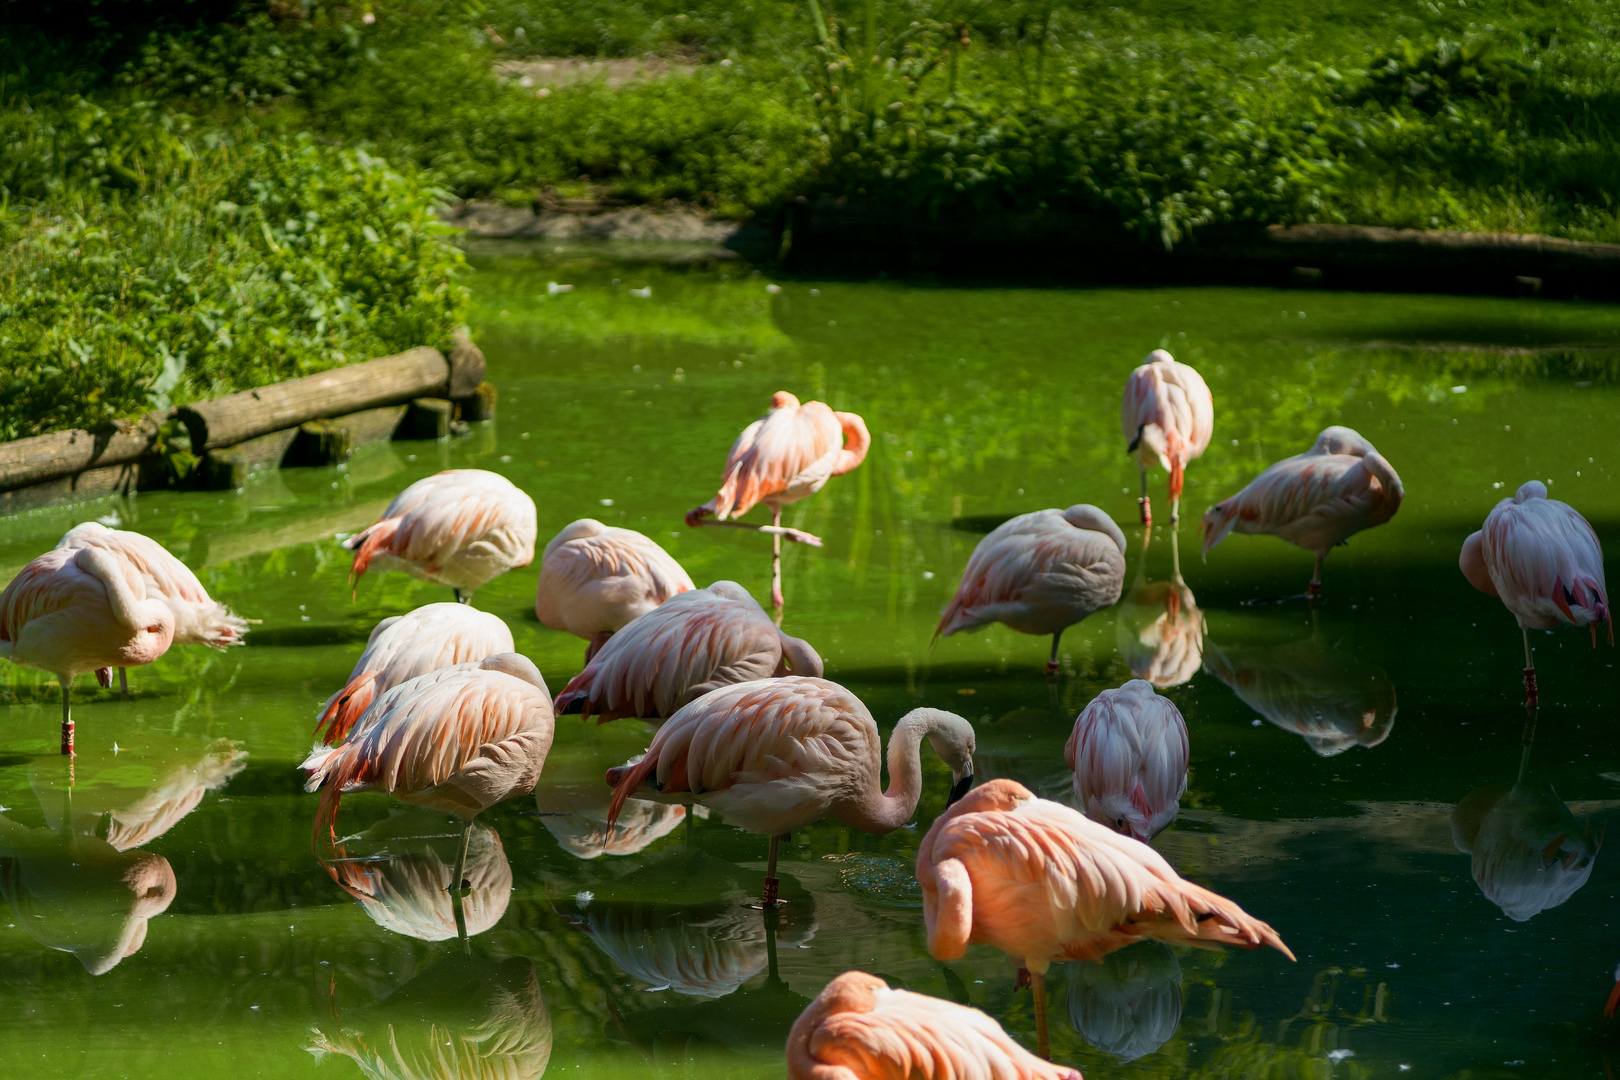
(62, 453)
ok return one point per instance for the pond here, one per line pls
(1331, 748)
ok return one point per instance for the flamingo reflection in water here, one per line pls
(576, 815)
(1158, 628)
(692, 643)
(595, 579)
(1129, 1004)
(464, 1018)
(1328, 698)
(401, 886)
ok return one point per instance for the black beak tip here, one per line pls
(959, 789)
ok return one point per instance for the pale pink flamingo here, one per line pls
(673, 655)
(1040, 573)
(788, 454)
(401, 647)
(774, 755)
(457, 740)
(1042, 882)
(88, 609)
(1128, 752)
(461, 528)
(1168, 417)
(1314, 500)
(858, 1028)
(1544, 561)
(595, 578)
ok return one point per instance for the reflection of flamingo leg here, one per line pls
(1531, 697)
(123, 683)
(1175, 558)
(1043, 1042)
(457, 891)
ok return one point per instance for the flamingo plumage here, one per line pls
(1040, 573)
(401, 647)
(858, 1028)
(79, 610)
(695, 642)
(1315, 500)
(1128, 752)
(1543, 560)
(460, 528)
(1168, 417)
(1042, 882)
(788, 454)
(774, 755)
(457, 740)
(595, 578)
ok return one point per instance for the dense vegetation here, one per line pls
(131, 124)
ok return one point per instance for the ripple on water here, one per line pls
(879, 878)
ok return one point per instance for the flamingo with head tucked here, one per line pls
(1128, 751)
(1168, 417)
(595, 578)
(860, 1028)
(1314, 500)
(1040, 573)
(774, 755)
(1042, 882)
(695, 642)
(1544, 562)
(786, 455)
(79, 610)
(461, 528)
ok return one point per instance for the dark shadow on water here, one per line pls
(306, 636)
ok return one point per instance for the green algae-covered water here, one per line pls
(1358, 775)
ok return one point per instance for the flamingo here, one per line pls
(457, 740)
(1314, 500)
(1610, 1006)
(1528, 853)
(86, 609)
(576, 817)
(1040, 573)
(1168, 417)
(859, 1028)
(1042, 882)
(786, 455)
(401, 647)
(773, 755)
(673, 655)
(1128, 1005)
(1159, 629)
(595, 578)
(462, 528)
(1128, 751)
(1541, 557)
(199, 619)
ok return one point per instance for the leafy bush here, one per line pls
(1427, 77)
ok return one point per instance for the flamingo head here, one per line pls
(783, 400)
(1132, 814)
(1341, 440)
(1159, 356)
(1530, 489)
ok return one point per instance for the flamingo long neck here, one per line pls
(128, 608)
(885, 811)
(856, 442)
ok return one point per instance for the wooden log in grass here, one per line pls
(66, 453)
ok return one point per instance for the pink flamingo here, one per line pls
(858, 1028)
(461, 528)
(594, 578)
(1041, 882)
(88, 609)
(1168, 417)
(1128, 751)
(773, 755)
(401, 647)
(1313, 500)
(786, 455)
(1040, 573)
(1613, 1003)
(695, 642)
(457, 740)
(1544, 561)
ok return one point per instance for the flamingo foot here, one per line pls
(695, 516)
(1145, 505)
(104, 677)
(1532, 697)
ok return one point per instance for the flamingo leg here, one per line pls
(463, 598)
(776, 558)
(769, 901)
(1144, 504)
(1531, 696)
(798, 536)
(1043, 1041)
(123, 682)
(1314, 589)
(598, 640)
(1052, 661)
(1175, 509)
(67, 715)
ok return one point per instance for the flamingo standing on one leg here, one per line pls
(1040, 573)
(1313, 500)
(401, 647)
(461, 528)
(457, 740)
(788, 454)
(1541, 557)
(1041, 882)
(1168, 417)
(773, 755)
(1128, 751)
(88, 609)
(673, 655)
(858, 1027)
(595, 578)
